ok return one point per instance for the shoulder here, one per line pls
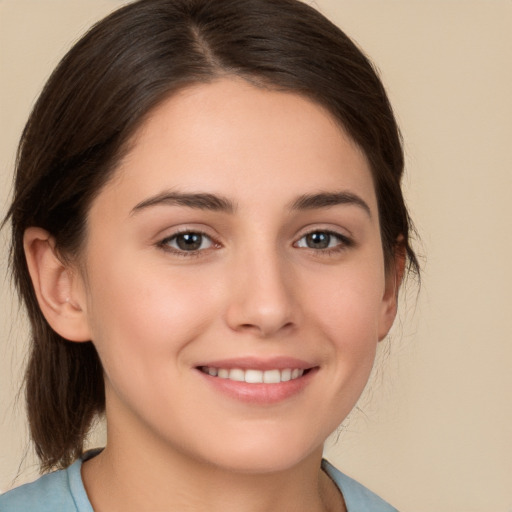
(48, 493)
(357, 497)
(61, 490)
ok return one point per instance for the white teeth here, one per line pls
(222, 373)
(254, 376)
(286, 375)
(237, 374)
(272, 376)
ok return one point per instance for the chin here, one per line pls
(259, 455)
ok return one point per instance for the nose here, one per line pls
(262, 299)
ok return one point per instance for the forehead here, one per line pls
(232, 137)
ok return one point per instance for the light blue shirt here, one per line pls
(64, 491)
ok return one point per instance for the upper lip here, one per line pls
(256, 363)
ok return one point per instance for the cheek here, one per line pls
(141, 315)
(347, 309)
(348, 304)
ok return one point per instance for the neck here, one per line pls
(149, 478)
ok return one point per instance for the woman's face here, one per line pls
(234, 279)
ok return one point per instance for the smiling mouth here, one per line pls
(252, 376)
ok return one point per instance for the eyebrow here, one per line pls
(214, 202)
(200, 201)
(327, 199)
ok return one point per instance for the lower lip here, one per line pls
(263, 394)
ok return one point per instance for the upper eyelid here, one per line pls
(187, 231)
(343, 238)
(203, 232)
(332, 231)
(171, 232)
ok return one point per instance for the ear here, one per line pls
(58, 288)
(394, 276)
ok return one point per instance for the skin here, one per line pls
(254, 289)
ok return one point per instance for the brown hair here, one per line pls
(98, 96)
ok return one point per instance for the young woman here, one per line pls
(209, 235)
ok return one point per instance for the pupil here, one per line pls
(189, 241)
(318, 240)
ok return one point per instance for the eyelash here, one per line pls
(164, 244)
(344, 243)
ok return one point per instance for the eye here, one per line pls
(321, 240)
(187, 241)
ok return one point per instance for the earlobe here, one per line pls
(57, 286)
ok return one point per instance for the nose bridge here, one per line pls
(262, 298)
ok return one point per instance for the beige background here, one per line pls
(434, 431)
